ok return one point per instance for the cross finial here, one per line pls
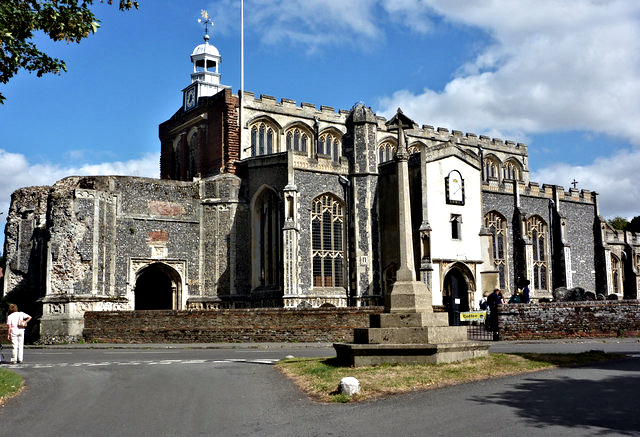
(206, 19)
(574, 183)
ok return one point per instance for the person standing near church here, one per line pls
(16, 321)
(525, 291)
(493, 301)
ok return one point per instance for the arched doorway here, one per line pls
(157, 288)
(455, 296)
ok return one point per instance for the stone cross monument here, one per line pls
(408, 331)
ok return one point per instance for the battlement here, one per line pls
(290, 106)
(615, 236)
(547, 191)
(468, 139)
(426, 132)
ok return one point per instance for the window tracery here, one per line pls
(263, 140)
(330, 144)
(497, 225)
(490, 169)
(327, 228)
(511, 170)
(537, 232)
(386, 152)
(297, 139)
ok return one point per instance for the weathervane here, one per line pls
(206, 19)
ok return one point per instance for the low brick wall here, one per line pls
(570, 320)
(228, 326)
(3, 333)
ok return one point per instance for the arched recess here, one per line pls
(157, 287)
(416, 147)
(389, 276)
(617, 275)
(191, 165)
(457, 291)
(266, 239)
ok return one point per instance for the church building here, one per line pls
(269, 203)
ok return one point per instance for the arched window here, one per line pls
(537, 233)
(386, 152)
(511, 170)
(329, 144)
(617, 273)
(263, 140)
(267, 242)
(193, 153)
(490, 169)
(176, 162)
(297, 139)
(327, 231)
(497, 225)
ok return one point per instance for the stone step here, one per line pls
(410, 335)
(405, 320)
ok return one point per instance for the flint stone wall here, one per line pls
(569, 320)
(228, 326)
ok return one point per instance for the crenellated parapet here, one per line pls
(288, 107)
(546, 191)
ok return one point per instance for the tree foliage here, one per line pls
(619, 223)
(60, 20)
(634, 224)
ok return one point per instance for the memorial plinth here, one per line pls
(409, 336)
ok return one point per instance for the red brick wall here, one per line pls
(246, 325)
(570, 320)
(3, 335)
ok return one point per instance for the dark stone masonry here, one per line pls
(570, 320)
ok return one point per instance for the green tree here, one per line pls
(634, 224)
(61, 20)
(619, 223)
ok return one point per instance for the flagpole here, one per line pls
(241, 97)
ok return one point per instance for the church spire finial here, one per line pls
(206, 19)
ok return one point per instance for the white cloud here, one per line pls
(615, 178)
(18, 172)
(306, 24)
(553, 65)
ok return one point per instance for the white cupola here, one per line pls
(205, 78)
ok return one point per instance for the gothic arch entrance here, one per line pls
(158, 287)
(455, 296)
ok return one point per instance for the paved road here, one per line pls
(238, 392)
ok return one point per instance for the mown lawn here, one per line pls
(319, 377)
(10, 384)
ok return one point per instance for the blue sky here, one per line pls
(562, 76)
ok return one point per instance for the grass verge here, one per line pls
(319, 377)
(10, 384)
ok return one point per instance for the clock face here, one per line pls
(190, 99)
(455, 188)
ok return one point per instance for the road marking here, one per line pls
(269, 361)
